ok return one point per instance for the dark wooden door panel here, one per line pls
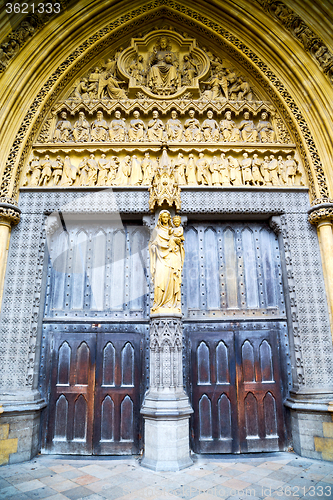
(236, 391)
(71, 404)
(117, 394)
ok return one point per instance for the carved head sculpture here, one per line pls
(92, 156)
(227, 115)
(136, 114)
(201, 155)
(117, 115)
(280, 158)
(289, 157)
(103, 156)
(191, 113)
(191, 156)
(255, 156)
(210, 114)
(246, 115)
(81, 114)
(176, 220)
(264, 115)
(222, 156)
(164, 218)
(180, 155)
(271, 157)
(155, 114)
(163, 43)
(47, 157)
(173, 114)
(99, 115)
(147, 155)
(63, 115)
(245, 155)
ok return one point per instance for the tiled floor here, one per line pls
(264, 476)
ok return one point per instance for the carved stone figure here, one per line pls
(202, 165)
(112, 175)
(192, 128)
(265, 170)
(256, 174)
(210, 128)
(118, 129)
(247, 128)
(147, 168)
(228, 129)
(179, 166)
(81, 90)
(265, 129)
(63, 129)
(190, 171)
(68, 173)
(137, 129)
(58, 166)
(46, 171)
(82, 171)
(109, 87)
(93, 83)
(234, 171)
(174, 128)
(81, 129)
(246, 164)
(155, 128)
(241, 90)
(35, 169)
(99, 128)
(162, 76)
(282, 170)
(291, 170)
(214, 168)
(273, 171)
(136, 172)
(124, 172)
(92, 170)
(164, 188)
(137, 70)
(190, 70)
(166, 262)
(103, 170)
(224, 170)
(216, 84)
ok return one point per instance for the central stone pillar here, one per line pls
(166, 409)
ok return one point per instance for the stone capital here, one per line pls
(10, 214)
(321, 213)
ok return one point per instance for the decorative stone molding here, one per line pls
(311, 42)
(275, 224)
(9, 214)
(320, 213)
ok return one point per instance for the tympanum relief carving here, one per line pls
(163, 90)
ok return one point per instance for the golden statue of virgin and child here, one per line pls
(166, 249)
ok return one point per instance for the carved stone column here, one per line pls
(9, 216)
(322, 216)
(166, 408)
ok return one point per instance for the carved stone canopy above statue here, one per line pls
(163, 65)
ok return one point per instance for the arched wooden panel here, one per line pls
(64, 361)
(107, 419)
(82, 364)
(98, 268)
(212, 270)
(270, 415)
(250, 269)
(266, 365)
(80, 244)
(138, 280)
(127, 365)
(205, 417)
(203, 363)
(108, 377)
(80, 419)
(117, 269)
(126, 419)
(222, 363)
(230, 268)
(61, 419)
(191, 269)
(248, 362)
(224, 417)
(251, 415)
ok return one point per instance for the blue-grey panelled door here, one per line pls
(94, 331)
(235, 331)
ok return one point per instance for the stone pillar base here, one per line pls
(166, 418)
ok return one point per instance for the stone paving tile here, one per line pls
(19, 478)
(85, 479)
(63, 485)
(9, 491)
(4, 483)
(112, 493)
(29, 485)
(40, 493)
(19, 496)
(72, 474)
(58, 496)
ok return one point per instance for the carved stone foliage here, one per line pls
(302, 32)
(320, 213)
(164, 173)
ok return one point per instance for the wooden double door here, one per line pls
(236, 390)
(94, 381)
